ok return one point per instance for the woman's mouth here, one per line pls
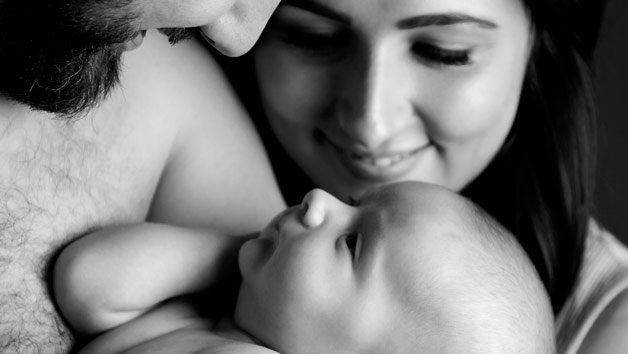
(377, 166)
(378, 161)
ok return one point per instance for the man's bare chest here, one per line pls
(56, 184)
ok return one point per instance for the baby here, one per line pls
(410, 268)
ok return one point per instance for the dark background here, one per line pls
(612, 101)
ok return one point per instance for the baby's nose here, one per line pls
(313, 209)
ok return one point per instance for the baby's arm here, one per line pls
(115, 275)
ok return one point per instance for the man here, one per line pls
(92, 134)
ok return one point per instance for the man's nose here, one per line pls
(375, 103)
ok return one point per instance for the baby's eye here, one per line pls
(316, 44)
(351, 240)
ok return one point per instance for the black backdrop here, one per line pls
(612, 99)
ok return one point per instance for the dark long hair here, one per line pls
(541, 183)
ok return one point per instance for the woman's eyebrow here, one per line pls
(444, 19)
(319, 9)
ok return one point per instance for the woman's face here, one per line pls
(367, 92)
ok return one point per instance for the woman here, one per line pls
(489, 98)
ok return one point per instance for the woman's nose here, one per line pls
(375, 102)
(316, 206)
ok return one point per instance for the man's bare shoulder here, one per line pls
(216, 147)
(177, 81)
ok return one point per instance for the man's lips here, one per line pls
(207, 38)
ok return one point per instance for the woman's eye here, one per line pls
(440, 56)
(316, 44)
(351, 239)
(352, 201)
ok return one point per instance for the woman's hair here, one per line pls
(540, 185)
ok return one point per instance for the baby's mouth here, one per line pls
(279, 219)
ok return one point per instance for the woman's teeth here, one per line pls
(383, 161)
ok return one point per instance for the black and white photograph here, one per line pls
(313, 176)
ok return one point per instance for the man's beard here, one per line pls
(64, 58)
(67, 84)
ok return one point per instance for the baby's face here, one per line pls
(325, 275)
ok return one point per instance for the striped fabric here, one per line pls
(604, 275)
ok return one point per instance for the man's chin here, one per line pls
(70, 89)
(232, 38)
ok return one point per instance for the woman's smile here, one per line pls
(377, 165)
(356, 102)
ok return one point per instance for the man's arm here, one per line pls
(114, 275)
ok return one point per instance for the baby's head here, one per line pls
(411, 268)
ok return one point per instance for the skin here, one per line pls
(346, 273)
(66, 58)
(135, 157)
(232, 26)
(344, 98)
(341, 271)
(358, 100)
(323, 277)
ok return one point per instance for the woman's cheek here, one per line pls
(291, 88)
(467, 110)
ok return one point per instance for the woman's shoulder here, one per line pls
(595, 317)
(609, 333)
(602, 240)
